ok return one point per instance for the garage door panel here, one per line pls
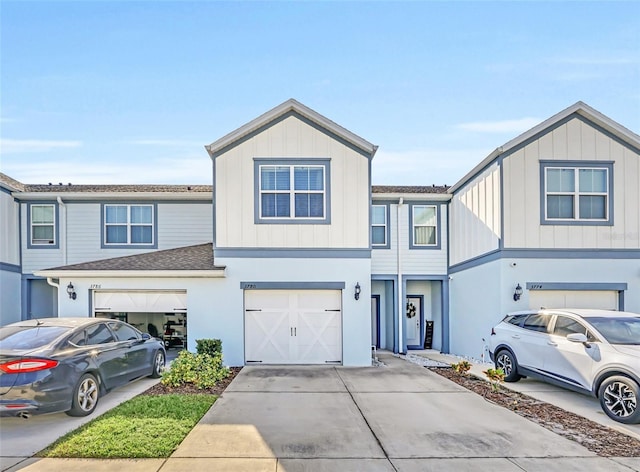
(597, 299)
(293, 326)
(140, 301)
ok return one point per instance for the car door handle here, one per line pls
(515, 336)
(552, 343)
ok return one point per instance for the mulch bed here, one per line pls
(159, 389)
(595, 437)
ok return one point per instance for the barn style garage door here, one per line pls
(140, 301)
(293, 326)
(599, 299)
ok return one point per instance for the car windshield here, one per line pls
(29, 337)
(618, 330)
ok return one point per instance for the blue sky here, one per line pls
(130, 92)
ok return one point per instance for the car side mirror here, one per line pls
(578, 338)
(146, 336)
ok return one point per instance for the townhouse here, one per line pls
(294, 257)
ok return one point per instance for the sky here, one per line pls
(123, 92)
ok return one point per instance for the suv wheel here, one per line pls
(506, 361)
(619, 397)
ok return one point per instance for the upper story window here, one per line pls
(292, 192)
(129, 225)
(577, 193)
(42, 225)
(379, 226)
(424, 226)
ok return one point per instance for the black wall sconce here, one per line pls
(71, 291)
(518, 293)
(356, 294)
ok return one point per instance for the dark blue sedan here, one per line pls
(67, 364)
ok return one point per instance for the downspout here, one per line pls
(63, 229)
(57, 287)
(400, 284)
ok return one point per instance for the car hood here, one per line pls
(628, 349)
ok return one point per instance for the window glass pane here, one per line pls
(424, 215)
(42, 233)
(378, 235)
(424, 235)
(379, 215)
(116, 234)
(123, 332)
(283, 207)
(316, 205)
(141, 214)
(268, 205)
(141, 234)
(99, 334)
(268, 178)
(316, 178)
(565, 325)
(301, 176)
(592, 207)
(116, 214)
(302, 205)
(593, 180)
(537, 322)
(560, 206)
(560, 180)
(42, 214)
(282, 178)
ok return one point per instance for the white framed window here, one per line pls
(576, 194)
(128, 225)
(379, 226)
(424, 226)
(292, 192)
(42, 222)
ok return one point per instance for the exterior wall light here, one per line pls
(71, 291)
(357, 292)
(518, 293)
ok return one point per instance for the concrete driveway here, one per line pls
(400, 417)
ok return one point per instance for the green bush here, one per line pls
(201, 370)
(208, 346)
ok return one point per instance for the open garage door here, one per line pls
(161, 313)
(293, 326)
(598, 299)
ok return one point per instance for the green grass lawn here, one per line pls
(145, 426)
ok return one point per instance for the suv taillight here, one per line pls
(27, 365)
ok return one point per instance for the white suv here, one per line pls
(591, 351)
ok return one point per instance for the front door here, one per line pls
(413, 322)
(375, 320)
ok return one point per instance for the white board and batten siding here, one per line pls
(80, 230)
(293, 326)
(475, 222)
(413, 261)
(292, 138)
(572, 141)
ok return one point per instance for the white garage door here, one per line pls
(293, 326)
(140, 301)
(602, 299)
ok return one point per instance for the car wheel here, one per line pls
(85, 396)
(619, 397)
(158, 365)
(506, 361)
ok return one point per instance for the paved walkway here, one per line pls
(399, 417)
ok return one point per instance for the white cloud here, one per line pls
(505, 126)
(13, 146)
(167, 142)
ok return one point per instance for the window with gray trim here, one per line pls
(379, 225)
(292, 191)
(424, 222)
(128, 224)
(42, 224)
(577, 193)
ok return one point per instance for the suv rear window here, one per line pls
(515, 319)
(29, 337)
(537, 322)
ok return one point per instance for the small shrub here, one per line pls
(201, 370)
(496, 377)
(462, 367)
(209, 346)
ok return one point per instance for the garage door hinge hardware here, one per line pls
(253, 309)
(332, 362)
(254, 362)
(337, 309)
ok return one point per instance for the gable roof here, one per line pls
(409, 189)
(579, 109)
(290, 106)
(169, 262)
(10, 184)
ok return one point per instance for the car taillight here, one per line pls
(27, 365)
